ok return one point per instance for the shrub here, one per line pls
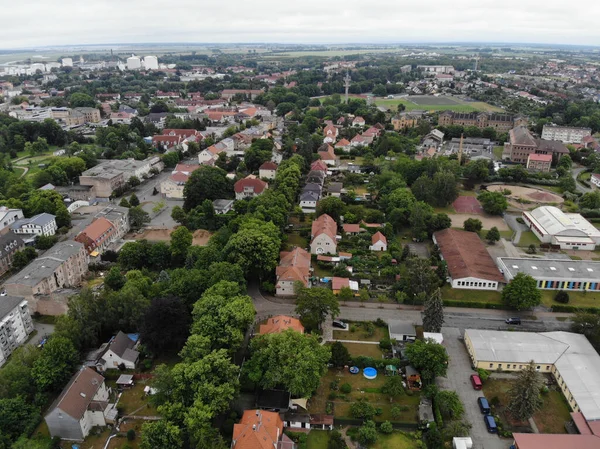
(346, 388)
(386, 427)
(520, 220)
(378, 411)
(331, 396)
(130, 435)
(562, 297)
(385, 344)
(370, 329)
(367, 433)
(483, 374)
(495, 401)
(380, 323)
(329, 408)
(268, 287)
(362, 410)
(334, 385)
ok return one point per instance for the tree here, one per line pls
(133, 181)
(567, 184)
(133, 200)
(521, 292)
(565, 162)
(336, 440)
(493, 203)
(449, 404)
(259, 152)
(138, 217)
(429, 358)
(115, 279)
(271, 366)
(165, 325)
(367, 433)
(22, 258)
(171, 159)
(393, 387)
(339, 354)
(444, 188)
(195, 348)
(590, 200)
(433, 437)
(160, 435)
(81, 100)
(472, 225)
(178, 214)
(524, 396)
(361, 409)
(56, 365)
(255, 251)
(332, 206)
(562, 297)
(181, 241)
(386, 427)
(493, 235)
(587, 324)
(476, 171)
(345, 294)
(17, 417)
(420, 278)
(419, 217)
(43, 242)
(314, 304)
(206, 183)
(125, 203)
(433, 313)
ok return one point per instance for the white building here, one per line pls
(15, 324)
(119, 351)
(595, 179)
(308, 202)
(9, 216)
(565, 134)
(324, 235)
(67, 62)
(41, 224)
(378, 242)
(151, 63)
(134, 63)
(568, 231)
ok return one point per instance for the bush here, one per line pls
(495, 401)
(385, 344)
(346, 388)
(520, 220)
(362, 410)
(329, 408)
(130, 435)
(386, 427)
(380, 323)
(268, 287)
(334, 385)
(331, 396)
(483, 374)
(369, 329)
(562, 297)
(367, 433)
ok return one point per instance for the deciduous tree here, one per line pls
(493, 235)
(521, 292)
(493, 203)
(314, 304)
(160, 435)
(524, 396)
(429, 358)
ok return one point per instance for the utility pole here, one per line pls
(460, 150)
(347, 81)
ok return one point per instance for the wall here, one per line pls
(474, 284)
(62, 425)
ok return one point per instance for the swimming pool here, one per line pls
(370, 373)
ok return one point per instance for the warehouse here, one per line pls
(554, 274)
(567, 231)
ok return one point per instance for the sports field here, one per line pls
(431, 103)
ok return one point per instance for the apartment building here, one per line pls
(41, 224)
(15, 325)
(500, 122)
(565, 134)
(8, 217)
(9, 245)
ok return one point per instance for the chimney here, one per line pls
(254, 427)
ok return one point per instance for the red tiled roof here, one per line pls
(180, 132)
(351, 228)
(268, 166)
(342, 143)
(338, 283)
(186, 168)
(378, 236)
(257, 185)
(324, 225)
(466, 256)
(319, 166)
(280, 323)
(555, 441)
(179, 177)
(258, 429)
(97, 228)
(540, 157)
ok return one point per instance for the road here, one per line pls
(580, 187)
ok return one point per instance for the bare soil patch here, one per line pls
(488, 221)
(201, 236)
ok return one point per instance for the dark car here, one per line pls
(339, 324)
(513, 321)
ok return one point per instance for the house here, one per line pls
(358, 141)
(308, 202)
(249, 187)
(8, 217)
(41, 224)
(338, 283)
(565, 134)
(280, 323)
(323, 235)
(166, 142)
(173, 186)
(80, 407)
(316, 177)
(352, 229)
(210, 153)
(260, 429)
(326, 154)
(358, 121)
(378, 242)
(119, 351)
(406, 120)
(319, 166)
(539, 162)
(343, 144)
(222, 206)
(313, 187)
(267, 170)
(402, 330)
(335, 189)
(9, 245)
(330, 133)
(294, 266)
(469, 264)
(15, 325)
(97, 236)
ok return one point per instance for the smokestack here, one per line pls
(460, 150)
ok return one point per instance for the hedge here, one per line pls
(360, 422)
(474, 304)
(380, 364)
(574, 309)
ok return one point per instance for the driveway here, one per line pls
(580, 187)
(511, 220)
(42, 331)
(459, 370)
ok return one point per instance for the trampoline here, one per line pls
(370, 373)
(354, 370)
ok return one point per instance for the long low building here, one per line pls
(568, 357)
(567, 231)
(554, 274)
(469, 264)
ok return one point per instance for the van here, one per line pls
(513, 321)
(476, 381)
(484, 405)
(490, 423)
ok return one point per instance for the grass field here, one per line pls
(576, 299)
(528, 238)
(458, 294)
(357, 332)
(317, 439)
(331, 53)
(296, 240)
(368, 350)
(396, 440)
(498, 152)
(429, 103)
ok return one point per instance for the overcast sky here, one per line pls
(33, 23)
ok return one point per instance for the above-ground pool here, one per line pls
(354, 370)
(370, 373)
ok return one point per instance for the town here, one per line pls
(278, 246)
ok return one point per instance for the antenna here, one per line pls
(347, 81)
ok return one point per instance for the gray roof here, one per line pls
(222, 204)
(309, 196)
(9, 243)
(335, 187)
(401, 327)
(120, 344)
(40, 220)
(551, 269)
(125, 379)
(521, 136)
(8, 303)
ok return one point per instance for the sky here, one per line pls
(36, 23)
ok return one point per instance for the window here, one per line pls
(571, 269)
(499, 365)
(553, 268)
(520, 366)
(491, 365)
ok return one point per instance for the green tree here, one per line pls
(521, 292)
(271, 365)
(472, 225)
(255, 251)
(195, 348)
(43, 242)
(181, 241)
(81, 100)
(339, 354)
(332, 206)
(393, 387)
(114, 279)
(206, 183)
(565, 162)
(56, 365)
(170, 159)
(567, 184)
(476, 171)
(433, 313)
(314, 304)
(161, 435)
(524, 396)
(345, 294)
(420, 278)
(165, 325)
(587, 324)
(125, 203)
(259, 152)
(133, 200)
(179, 215)
(429, 358)
(386, 427)
(361, 409)
(590, 200)
(138, 217)
(17, 417)
(433, 437)
(367, 433)
(449, 404)
(493, 203)
(133, 181)
(22, 258)
(493, 235)
(444, 188)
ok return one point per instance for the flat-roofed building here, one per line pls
(565, 134)
(15, 324)
(554, 274)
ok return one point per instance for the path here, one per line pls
(580, 187)
(358, 341)
(511, 220)
(351, 444)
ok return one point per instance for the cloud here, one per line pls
(70, 22)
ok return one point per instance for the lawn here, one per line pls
(396, 440)
(322, 272)
(436, 104)
(368, 350)
(363, 389)
(134, 400)
(357, 332)
(577, 299)
(498, 152)
(317, 439)
(458, 294)
(528, 238)
(296, 240)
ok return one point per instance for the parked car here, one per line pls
(513, 321)
(340, 324)
(484, 405)
(476, 382)
(490, 423)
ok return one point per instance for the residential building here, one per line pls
(228, 94)
(569, 358)
(539, 162)
(319, 166)
(8, 217)
(63, 265)
(565, 134)
(173, 186)
(259, 429)
(343, 144)
(407, 120)
(267, 170)
(521, 144)
(588, 440)
(118, 216)
(335, 189)
(323, 235)
(565, 231)
(9, 245)
(41, 224)
(119, 351)
(378, 242)
(90, 115)
(280, 323)
(469, 264)
(327, 154)
(595, 179)
(554, 274)
(210, 154)
(358, 121)
(338, 283)
(294, 266)
(308, 201)
(249, 187)
(402, 330)
(330, 133)
(436, 68)
(80, 407)
(222, 206)
(15, 325)
(499, 121)
(97, 236)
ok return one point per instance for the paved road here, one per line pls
(575, 172)
(459, 370)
